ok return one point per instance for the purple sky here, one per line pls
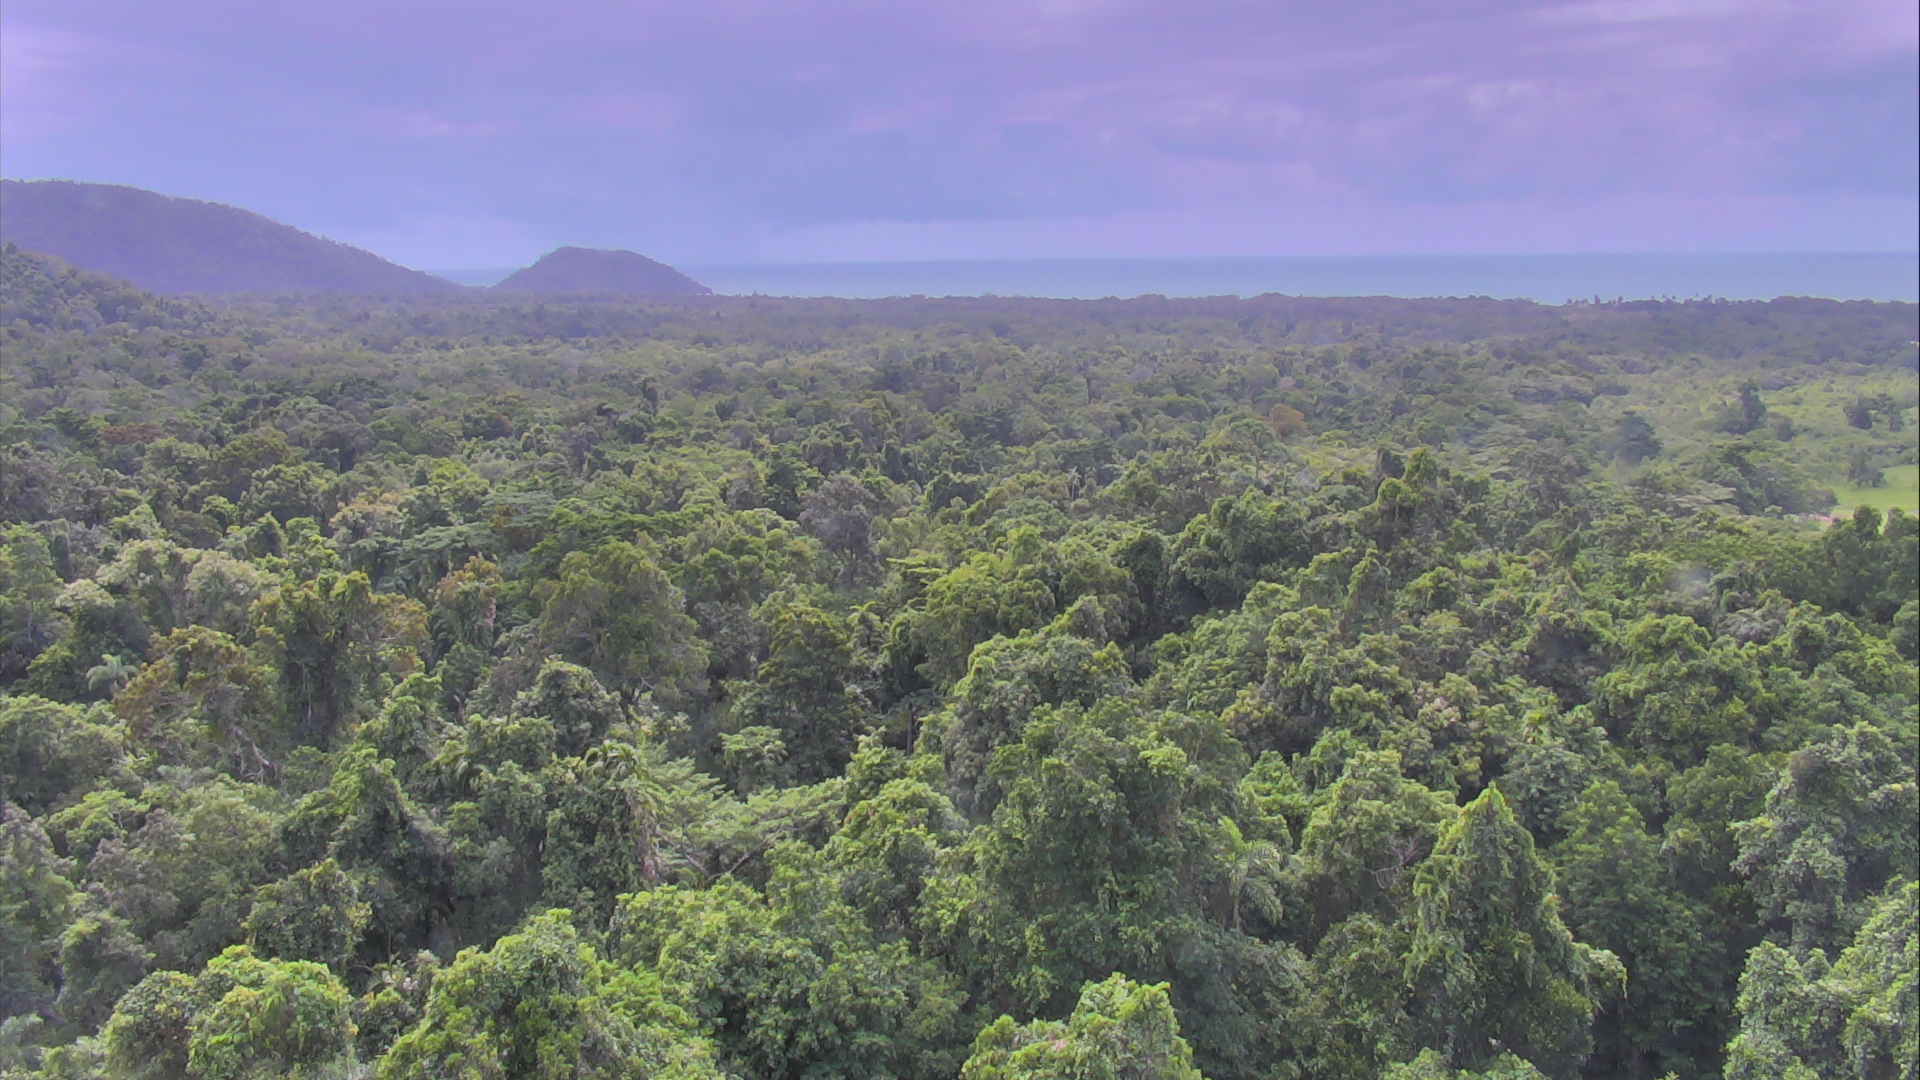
(484, 133)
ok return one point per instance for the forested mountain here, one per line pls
(589, 270)
(48, 294)
(172, 245)
(723, 687)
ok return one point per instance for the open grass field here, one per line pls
(1902, 490)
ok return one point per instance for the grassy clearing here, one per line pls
(1902, 490)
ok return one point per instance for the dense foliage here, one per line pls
(998, 689)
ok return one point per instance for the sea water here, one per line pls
(1550, 279)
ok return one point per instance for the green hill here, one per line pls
(171, 245)
(590, 270)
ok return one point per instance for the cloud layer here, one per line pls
(485, 132)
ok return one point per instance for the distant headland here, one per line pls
(187, 246)
(592, 270)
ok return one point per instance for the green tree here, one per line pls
(267, 1019)
(1678, 690)
(52, 753)
(402, 858)
(465, 623)
(410, 728)
(579, 708)
(1617, 895)
(333, 639)
(788, 989)
(542, 1005)
(1862, 472)
(110, 674)
(184, 877)
(1838, 826)
(1001, 592)
(313, 914)
(1748, 414)
(147, 1035)
(1865, 565)
(888, 846)
(809, 690)
(841, 513)
(1119, 1030)
(613, 611)
(1780, 1006)
(1219, 556)
(1355, 1020)
(1368, 833)
(1876, 980)
(1492, 965)
(606, 831)
(1634, 440)
(1092, 860)
(1254, 868)
(1801, 1018)
(1432, 1065)
(100, 957)
(241, 1018)
(36, 897)
(29, 586)
(1008, 680)
(206, 700)
(96, 623)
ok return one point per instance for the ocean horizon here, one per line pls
(1547, 279)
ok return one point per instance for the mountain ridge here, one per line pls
(174, 245)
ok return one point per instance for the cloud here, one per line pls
(739, 120)
(1608, 12)
(425, 124)
(45, 79)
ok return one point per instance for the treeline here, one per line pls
(756, 688)
(1787, 330)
